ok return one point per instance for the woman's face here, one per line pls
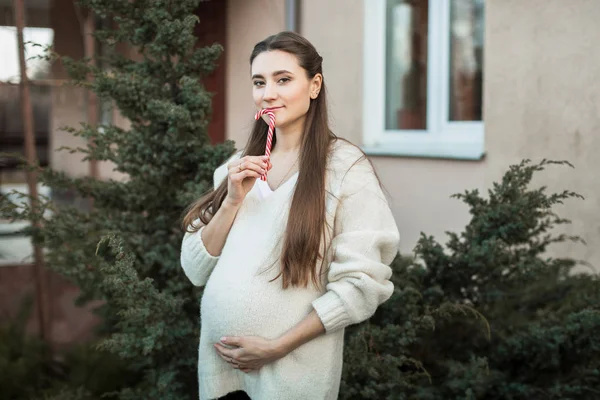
(279, 82)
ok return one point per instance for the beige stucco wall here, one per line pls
(419, 189)
(68, 109)
(69, 106)
(542, 63)
(248, 22)
(542, 100)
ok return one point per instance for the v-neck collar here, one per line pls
(266, 190)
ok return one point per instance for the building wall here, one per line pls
(421, 192)
(248, 22)
(420, 189)
(70, 103)
(542, 101)
(541, 65)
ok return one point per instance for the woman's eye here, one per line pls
(262, 83)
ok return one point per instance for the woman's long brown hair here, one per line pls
(306, 226)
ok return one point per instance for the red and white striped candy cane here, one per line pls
(269, 134)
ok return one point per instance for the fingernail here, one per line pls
(223, 339)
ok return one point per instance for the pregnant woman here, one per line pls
(290, 261)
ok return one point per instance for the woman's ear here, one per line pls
(315, 86)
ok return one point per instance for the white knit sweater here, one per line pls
(239, 300)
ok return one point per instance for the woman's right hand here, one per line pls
(242, 175)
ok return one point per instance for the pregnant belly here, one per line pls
(238, 305)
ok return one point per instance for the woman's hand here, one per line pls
(242, 176)
(252, 352)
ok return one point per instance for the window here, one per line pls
(36, 68)
(11, 121)
(15, 248)
(423, 77)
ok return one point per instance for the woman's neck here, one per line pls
(289, 141)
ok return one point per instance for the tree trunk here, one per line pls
(30, 153)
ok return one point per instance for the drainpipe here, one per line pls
(292, 15)
(89, 48)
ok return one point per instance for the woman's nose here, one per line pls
(270, 92)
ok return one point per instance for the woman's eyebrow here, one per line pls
(281, 71)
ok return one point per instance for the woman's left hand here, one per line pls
(252, 352)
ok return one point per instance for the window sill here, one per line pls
(463, 152)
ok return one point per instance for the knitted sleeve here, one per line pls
(196, 261)
(364, 243)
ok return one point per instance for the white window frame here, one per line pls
(442, 138)
(17, 248)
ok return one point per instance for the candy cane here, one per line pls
(269, 134)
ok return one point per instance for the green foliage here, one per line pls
(432, 340)
(30, 369)
(150, 311)
(22, 358)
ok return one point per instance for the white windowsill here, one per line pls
(470, 153)
(460, 141)
(460, 147)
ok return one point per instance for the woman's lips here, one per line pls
(273, 108)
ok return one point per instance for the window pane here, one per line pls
(36, 68)
(466, 60)
(12, 139)
(406, 64)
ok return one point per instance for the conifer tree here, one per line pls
(150, 310)
(488, 315)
